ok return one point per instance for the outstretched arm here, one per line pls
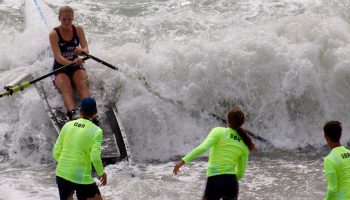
(211, 139)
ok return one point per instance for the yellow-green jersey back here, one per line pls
(228, 153)
(77, 146)
(337, 171)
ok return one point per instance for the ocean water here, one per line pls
(285, 63)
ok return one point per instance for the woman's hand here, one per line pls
(178, 166)
(79, 51)
(78, 61)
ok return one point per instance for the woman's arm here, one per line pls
(211, 139)
(84, 47)
(56, 49)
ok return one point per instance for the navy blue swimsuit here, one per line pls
(67, 47)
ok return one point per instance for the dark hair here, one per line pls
(333, 130)
(88, 113)
(88, 106)
(235, 119)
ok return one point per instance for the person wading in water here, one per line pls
(228, 158)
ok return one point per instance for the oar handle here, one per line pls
(18, 87)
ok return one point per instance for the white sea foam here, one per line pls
(284, 62)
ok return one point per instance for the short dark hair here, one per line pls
(88, 106)
(333, 130)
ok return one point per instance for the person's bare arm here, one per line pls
(84, 47)
(56, 49)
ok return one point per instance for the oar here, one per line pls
(175, 102)
(261, 139)
(25, 84)
(100, 61)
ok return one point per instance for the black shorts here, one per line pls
(223, 186)
(67, 188)
(69, 72)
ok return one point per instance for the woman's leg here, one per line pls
(63, 83)
(81, 83)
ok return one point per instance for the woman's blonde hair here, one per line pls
(65, 9)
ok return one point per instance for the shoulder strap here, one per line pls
(58, 33)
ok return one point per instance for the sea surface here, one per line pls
(284, 62)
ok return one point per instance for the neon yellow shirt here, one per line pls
(228, 153)
(337, 171)
(77, 146)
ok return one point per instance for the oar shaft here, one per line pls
(54, 71)
(216, 116)
(25, 84)
(101, 61)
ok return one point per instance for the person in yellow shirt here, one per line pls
(336, 164)
(228, 158)
(77, 148)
